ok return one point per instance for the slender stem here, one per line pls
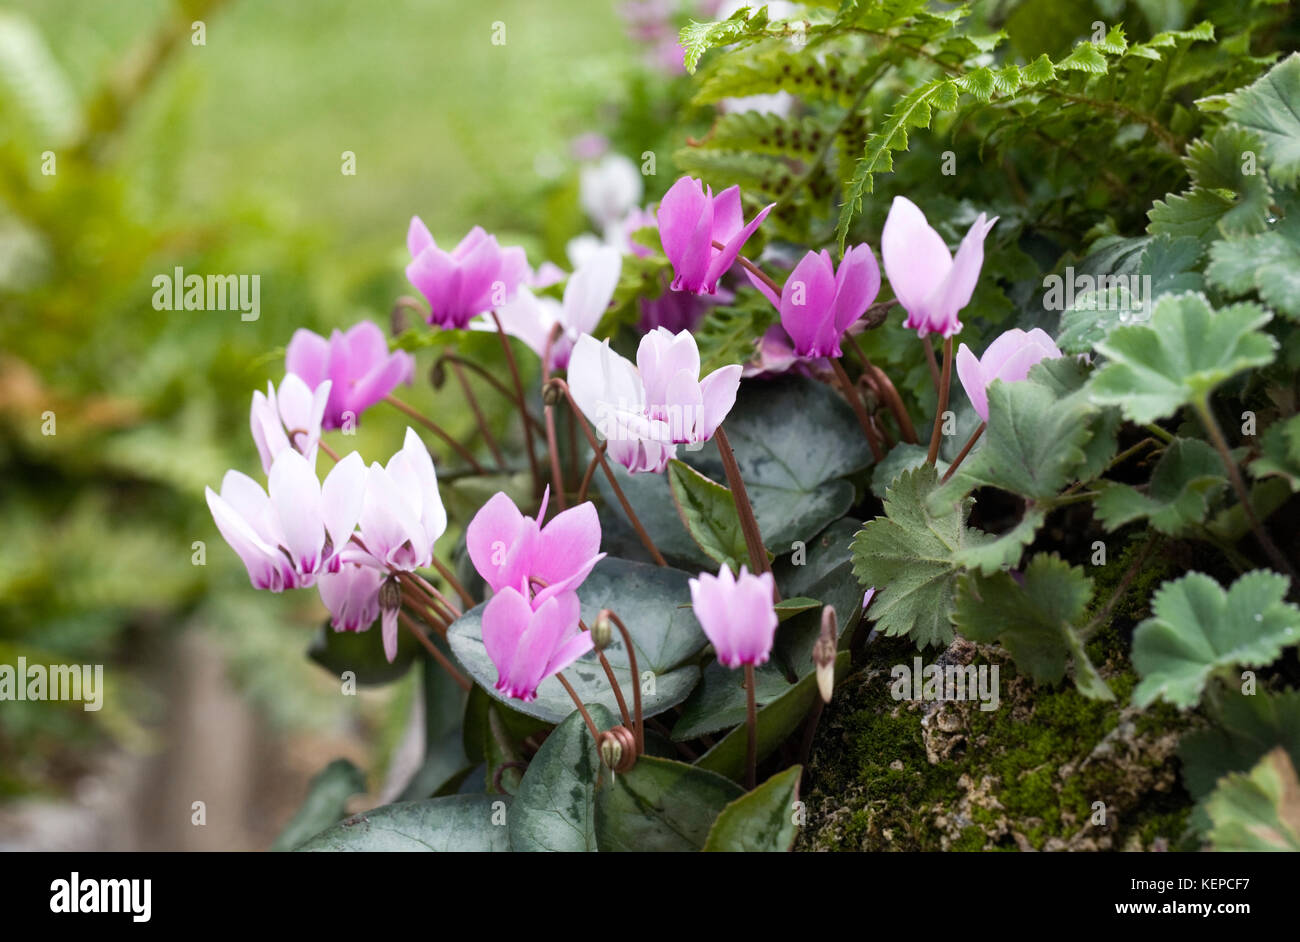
(432, 594)
(751, 719)
(437, 655)
(887, 392)
(456, 360)
(810, 730)
(855, 401)
(595, 733)
(1159, 433)
(522, 400)
(436, 429)
(591, 471)
(1239, 485)
(613, 481)
(931, 360)
(944, 381)
(552, 442)
(613, 681)
(1121, 587)
(329, 451)
(639, 730)
(965, 450)
(451, 580)
(431, 616)
(753, 269)
(748, 525)
(573, 447)
(479, 417)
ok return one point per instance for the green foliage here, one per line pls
(464, 823)
(1268, 108)
(1259, 811)
(1198, 629)
(910, 555)
(761, 821)
(660, 805)
(708, 512)
(1187, 476)
(327, 798)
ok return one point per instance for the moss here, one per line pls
(906, 775)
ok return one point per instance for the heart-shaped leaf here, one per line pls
(761, 821)
(327, 798)
(456, 823)
(660, 805)
(362, 653)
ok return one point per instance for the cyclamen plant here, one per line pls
(589, 624)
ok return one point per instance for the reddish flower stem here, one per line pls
(859, 409)
(437, 430)
(552, 444)
(751, 720)
(944, 382)
(479, 417)
(636, 681)
(437, 655)
(523, 403)
(965, 450)
(591, 725)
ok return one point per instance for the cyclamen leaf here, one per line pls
(1258, 811)
(1269, 108)
(761, 821)
(708, 512)
(459, 823)
(1198, 628)
(1034, 621)
(660, 805)
(327, 797)
(1180, 356)
(911, 556)
(1187, 475)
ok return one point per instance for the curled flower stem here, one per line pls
(523, 403)
(748, 525)
(591, 471)
(488, 438)
(437, 655)
(455, 360)
(451, 580)
(945, 382)
(887, 392)
(552, 443)
(437, 430)
(1243, 495)
(965, 450)
(751, 719)
(609, 473)
(432, 594)
(577, 701)
(636, 680)
(851, 394)
(613, 681)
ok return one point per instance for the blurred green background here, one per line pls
(226, 157)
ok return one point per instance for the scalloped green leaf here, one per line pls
(1268, 264)
(1268, 107)
(910, 556)
(1034, 620)
(1188, 474)
(1177, 359)
(1259, 811)
(1243, 728)
(1279, 452)
(1197, 629)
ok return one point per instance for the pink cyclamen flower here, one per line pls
(510, 550)
(356, 364)
(818, 303)
(476, 276)
(691, 219)
(930, 283)
(289, 536)
(1008, 358)
(737, 614)
(294, 412)
(351, 595)
(669, 366)
(402, 514)
(586, 297)
(529, 644)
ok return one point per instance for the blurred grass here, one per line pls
(227, 158)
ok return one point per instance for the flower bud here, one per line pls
(437, 374)
(390, 595)
(553, 393)
(618, 749)
(602, 632)
(823, 653)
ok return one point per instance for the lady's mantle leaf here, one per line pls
(1198, 628)
(761, 821)
(1034, 621)
(1188, 473)
(1187, 349)
(1259, 811)
(910, 556)
(1269, 109)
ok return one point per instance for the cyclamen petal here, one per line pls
(931, 285)
(690, 220)
(1008, 358)
(737, 615)
(288, 419)
(402, 515)
(352, 596)
(528, 645)
(477, 276)
(510, 551)
(356, 363)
